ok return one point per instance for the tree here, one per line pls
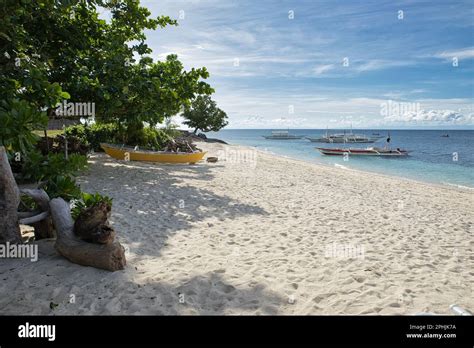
(51, 50)
(203, 114)
(156, 90)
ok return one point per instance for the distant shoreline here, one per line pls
(429, 160)
(461, 188)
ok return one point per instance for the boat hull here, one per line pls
(341, 141)
(151, 156)
(282, 138)
(362, 152)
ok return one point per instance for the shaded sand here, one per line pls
(267, 235)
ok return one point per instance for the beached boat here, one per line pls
(130, 153)
(370, 151)
(282, 135)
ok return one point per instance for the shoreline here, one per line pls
(461, 188)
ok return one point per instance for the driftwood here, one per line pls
(34, 219)
(28, 214)
(10, 218)
(91, 224)
(109, 256)
(41, 222)
(40, 197)
(180, 145)
(9, 201)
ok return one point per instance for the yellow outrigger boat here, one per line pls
(130, 154)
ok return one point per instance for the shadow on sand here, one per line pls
(167, 205)
(172, 206)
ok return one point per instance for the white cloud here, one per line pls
(320, 69)
(439, 117)
(229, 35)
(418, 90)
(270, 110)
(465, 53)
(379, 64)
(288, 122)
(252, 121)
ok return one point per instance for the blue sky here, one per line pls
(333, 64)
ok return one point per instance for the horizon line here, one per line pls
(286, 128)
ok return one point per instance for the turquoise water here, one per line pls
(435, 159)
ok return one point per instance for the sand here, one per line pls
(260, 234)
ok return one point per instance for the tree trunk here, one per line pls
(46, 138)
(9, 201)
(110, 256)
(44, 228)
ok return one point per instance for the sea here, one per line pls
(433, 157)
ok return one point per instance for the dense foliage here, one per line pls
(95, 134)
(17, 119)
(145, 137)
(62, 186)
(54, 172)
(61, 144)
(42, 168)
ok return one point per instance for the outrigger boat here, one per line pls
(342, 138)
(282, 135)
(133, 154)
(370, 151)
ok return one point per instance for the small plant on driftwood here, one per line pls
(91, 214)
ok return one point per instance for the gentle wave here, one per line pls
(459, 186)
(340, 166)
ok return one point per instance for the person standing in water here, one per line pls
(388, 141)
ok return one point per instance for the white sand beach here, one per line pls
(260, 235)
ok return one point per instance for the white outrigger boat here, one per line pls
(342, 138)
(282, 135)
(370, 151)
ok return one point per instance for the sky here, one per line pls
(317, 64)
